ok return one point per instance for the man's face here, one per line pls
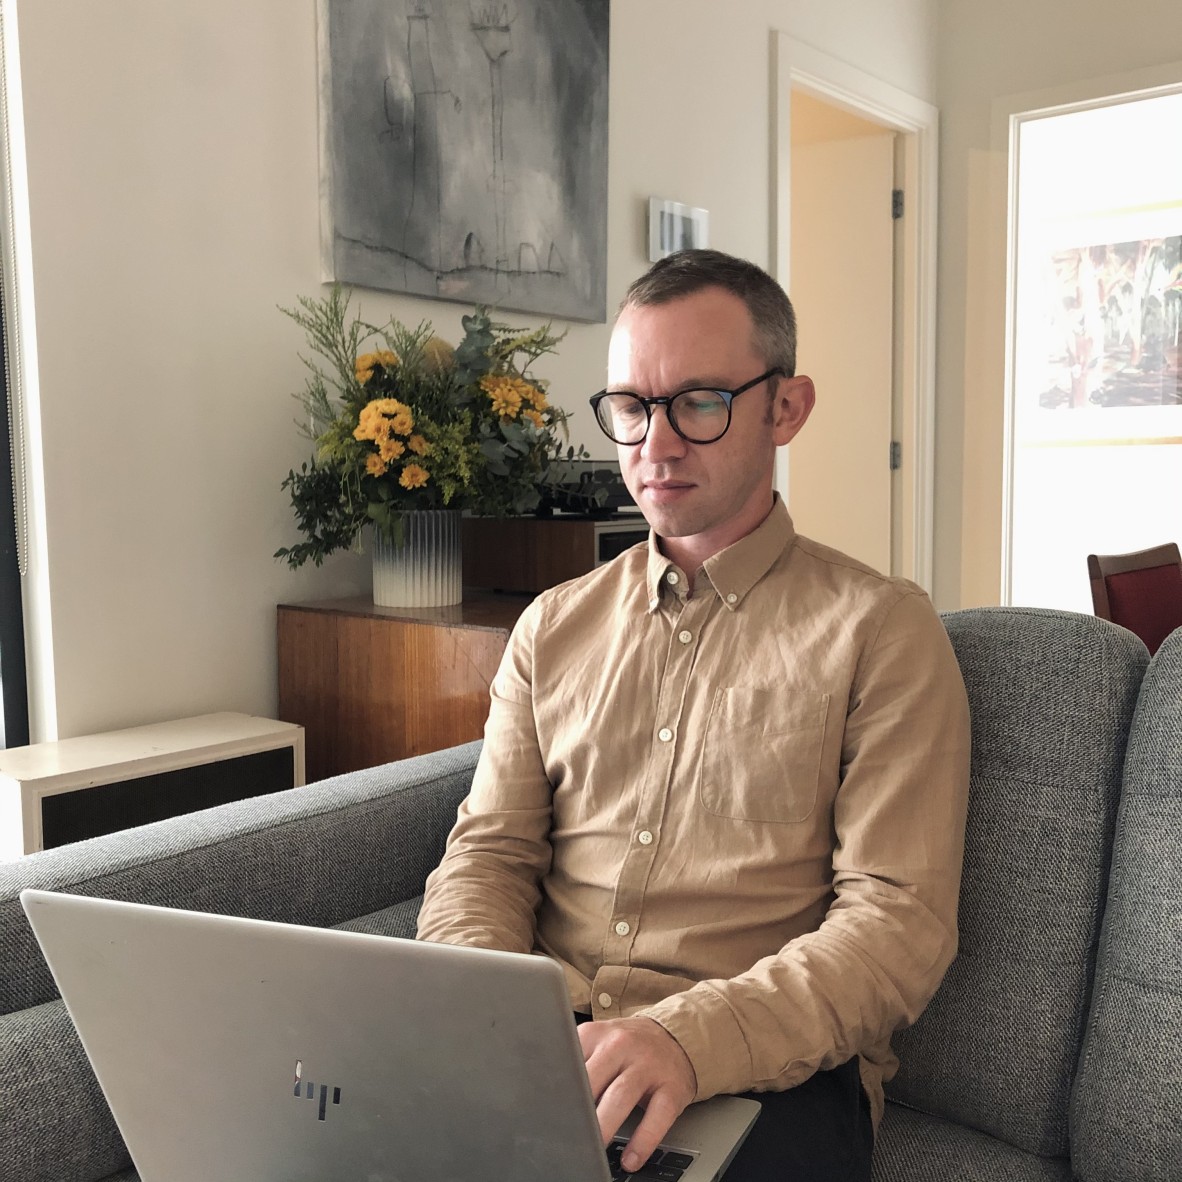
(710, 494)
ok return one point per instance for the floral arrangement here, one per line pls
(402, 421)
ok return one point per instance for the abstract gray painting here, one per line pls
(465, 150)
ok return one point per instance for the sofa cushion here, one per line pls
(914, 1147)
(315, 855)
(1125, 1120)
(55, 1125)
(1051, 695)
(399, 920)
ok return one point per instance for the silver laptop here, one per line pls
(267, 1052)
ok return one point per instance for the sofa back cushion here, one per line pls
(1125, 1120)
(1051, 695)
(316, 855)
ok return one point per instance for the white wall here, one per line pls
(987, 52)
(172, 172)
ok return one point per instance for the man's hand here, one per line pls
(633, 1061)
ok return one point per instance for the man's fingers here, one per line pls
(602, 1064)
(634, 1062)
(615, 1104)
(617, 1091)
(659, 1115)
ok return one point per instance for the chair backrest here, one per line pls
(1051, 696)
(1124, 1113)
(1141, 591)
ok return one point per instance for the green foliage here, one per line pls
(326, 513)
(400, 421)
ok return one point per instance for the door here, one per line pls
(843, 287)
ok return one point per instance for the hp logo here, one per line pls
(308, 1090)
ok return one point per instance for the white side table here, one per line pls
(54, 793)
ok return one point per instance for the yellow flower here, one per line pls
(419, 445)
(390, 406)
(381, 417)
(375, 466)
(402, 420)
(365, 365)
(370, 424)
(506, 393)
(535, 417)
(390, 449)
(414, 476)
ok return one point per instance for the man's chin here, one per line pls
(667, 523)
(667, 499)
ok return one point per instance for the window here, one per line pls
(1096, 328)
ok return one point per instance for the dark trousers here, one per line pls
(819, 1131)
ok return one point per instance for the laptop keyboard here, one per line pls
(665, 1165)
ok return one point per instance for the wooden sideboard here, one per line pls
(371, 684)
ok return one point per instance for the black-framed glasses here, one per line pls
(698, 416)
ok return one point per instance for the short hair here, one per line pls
(686, 272)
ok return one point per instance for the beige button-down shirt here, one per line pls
(739, 812)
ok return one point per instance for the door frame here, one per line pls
(797, 65)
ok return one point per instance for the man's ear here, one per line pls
(792, 404)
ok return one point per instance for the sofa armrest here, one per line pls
(317, 855)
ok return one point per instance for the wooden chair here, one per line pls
(1141, 591)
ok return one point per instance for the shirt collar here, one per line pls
(734, 571)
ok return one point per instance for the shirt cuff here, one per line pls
(705, 1027)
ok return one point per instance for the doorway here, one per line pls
(843, 268)
(861, 476)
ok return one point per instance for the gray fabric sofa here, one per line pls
(1053, 1050)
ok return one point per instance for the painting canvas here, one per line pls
(1099, 359)
(464, 149)
(1115, 318)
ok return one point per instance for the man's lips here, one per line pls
(666, 490)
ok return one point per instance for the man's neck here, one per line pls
(691, 553)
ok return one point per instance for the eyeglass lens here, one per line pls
(701, 416)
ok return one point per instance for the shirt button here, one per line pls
(732, 598)
(605, 1000)
(684, 636)
(671, 577)
(644, 837)
(622, 928)
(664, 734)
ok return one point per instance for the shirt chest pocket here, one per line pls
(761, 760)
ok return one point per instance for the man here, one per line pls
(724, 777)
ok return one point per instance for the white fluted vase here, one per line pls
(426, 569)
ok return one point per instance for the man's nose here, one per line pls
(661, 442)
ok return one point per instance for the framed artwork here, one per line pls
(673, 226)
(1110, 327)
(464, 150)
